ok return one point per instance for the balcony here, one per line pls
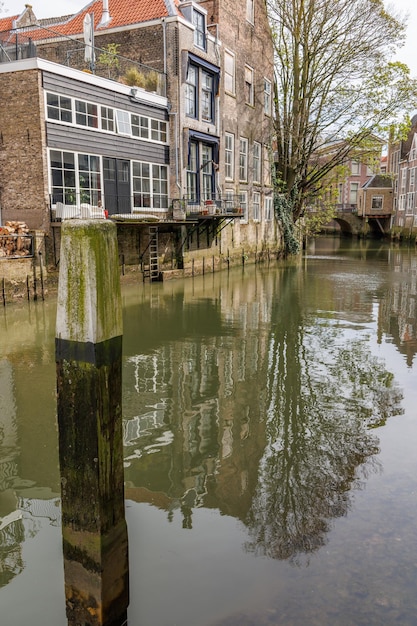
(41, 43)
(189, 208)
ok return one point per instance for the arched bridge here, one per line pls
(352, 224)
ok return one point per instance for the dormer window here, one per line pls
(199, 23)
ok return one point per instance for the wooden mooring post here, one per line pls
(89, 399)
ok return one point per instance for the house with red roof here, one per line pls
(213, 62)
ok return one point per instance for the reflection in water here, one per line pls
(259, 397)
(270, 418)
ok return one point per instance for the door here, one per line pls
(117, 193)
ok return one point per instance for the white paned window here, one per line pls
(250, 11)
(229, 156)
(267, 96)
(257, 156)
(243, 159)
(123, 122)
(86, 114)
(355, 168)
(107, 119)
(243, 197)
(256, 206)
(249, 87)
(268, 208)
(140, 126)
(353, 193)
(229, 72)
(59, 108)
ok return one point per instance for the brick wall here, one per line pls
(23, 183)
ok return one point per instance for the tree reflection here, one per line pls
(325, 394)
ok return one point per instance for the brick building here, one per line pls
(213, 59)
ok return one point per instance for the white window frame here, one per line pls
(249, 85)
(250, 11)
(378, 200)
(268, 206)
(229, 156)
(257, 162)
(62, 111)
(243, 198)
(355, 168)
(267, 97)
(266, 166)
(353, 193)
(229, 72)
(410, 203)
(256, 206)
(243, 159)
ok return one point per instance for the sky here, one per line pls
(46, 8)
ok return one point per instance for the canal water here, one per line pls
(270, 432)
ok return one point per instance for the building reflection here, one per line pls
(398, 306)
(240, 418)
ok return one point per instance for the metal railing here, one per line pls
(190, 207)
(16, 45)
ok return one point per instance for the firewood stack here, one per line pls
(14, 240)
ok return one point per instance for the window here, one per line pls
(376, 202)
(160, 186)
(75, 178)
(86, 114)
(199, 23)
(401, 206)
(353, 194)
(256, 206)
(158, 130)
(107, 119)
(268, 208)
(243, 159)
(267, 96)
(229, 72)
(63, 186)
(412, 177)
(249, 92)
(340, 193)
(201, 170)
(123, 122)
(355, 168)
(250, 11)
(140, 126)
(200, 91)
(229, 156)
(150, 185)
(191, 92)
(192, 172)
(257, 162)
(243, 198)
(403, 179)
(229, 201)
(207, 171)
(410, 202)
(207, 97)
(267, 167)
(89, 178)
(59, 108)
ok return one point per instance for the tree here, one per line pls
(334, 82)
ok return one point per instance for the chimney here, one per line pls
(105, 16)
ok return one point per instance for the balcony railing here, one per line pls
(191, 207)
(16, 45)
(123, 207)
